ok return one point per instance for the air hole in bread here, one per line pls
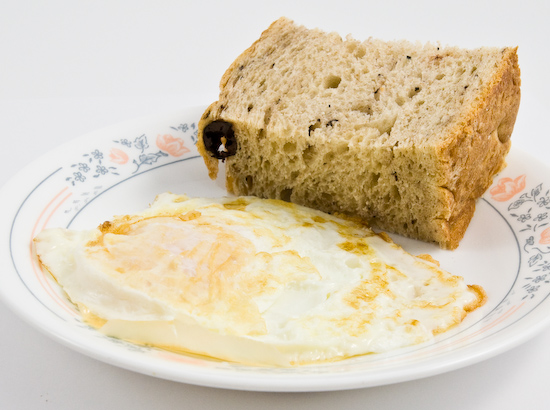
(332, 81)
(289, 147)
(327, 198)
(249, 182)
(250, 107)
(308, 154)
(385, 125)
(373, 180)
(460, 72)
(440, 76)
(351, 46)
(342, 149)
(286, 194)
(313, 127)
(262, 86)
(267, 115)
(356, 49)
(395, 193)
(328, 157)
(414, 91)
(362, 107)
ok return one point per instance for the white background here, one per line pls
(69, 67)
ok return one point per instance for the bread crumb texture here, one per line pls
(403, 135)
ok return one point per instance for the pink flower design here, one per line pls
(507, 188)
(172, 145)
(118, 156)
(545, 237)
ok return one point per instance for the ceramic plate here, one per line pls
(121, 169)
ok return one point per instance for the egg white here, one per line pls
(253, 281)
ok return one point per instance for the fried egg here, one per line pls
(254, 281)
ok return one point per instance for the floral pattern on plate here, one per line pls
(125, 157)
(529, 212)
(96, 163)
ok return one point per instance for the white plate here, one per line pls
(119, 170)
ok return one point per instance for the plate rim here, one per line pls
(266, 383)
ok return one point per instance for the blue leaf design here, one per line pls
(516, 204)
(141, 143)
(534, 259)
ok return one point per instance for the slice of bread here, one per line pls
(404, 136)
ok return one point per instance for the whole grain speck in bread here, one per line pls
(405, 136)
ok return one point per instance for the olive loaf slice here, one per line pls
(405, 136)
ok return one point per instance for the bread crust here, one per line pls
(210, 162)
(273, 28)
(476, 148)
